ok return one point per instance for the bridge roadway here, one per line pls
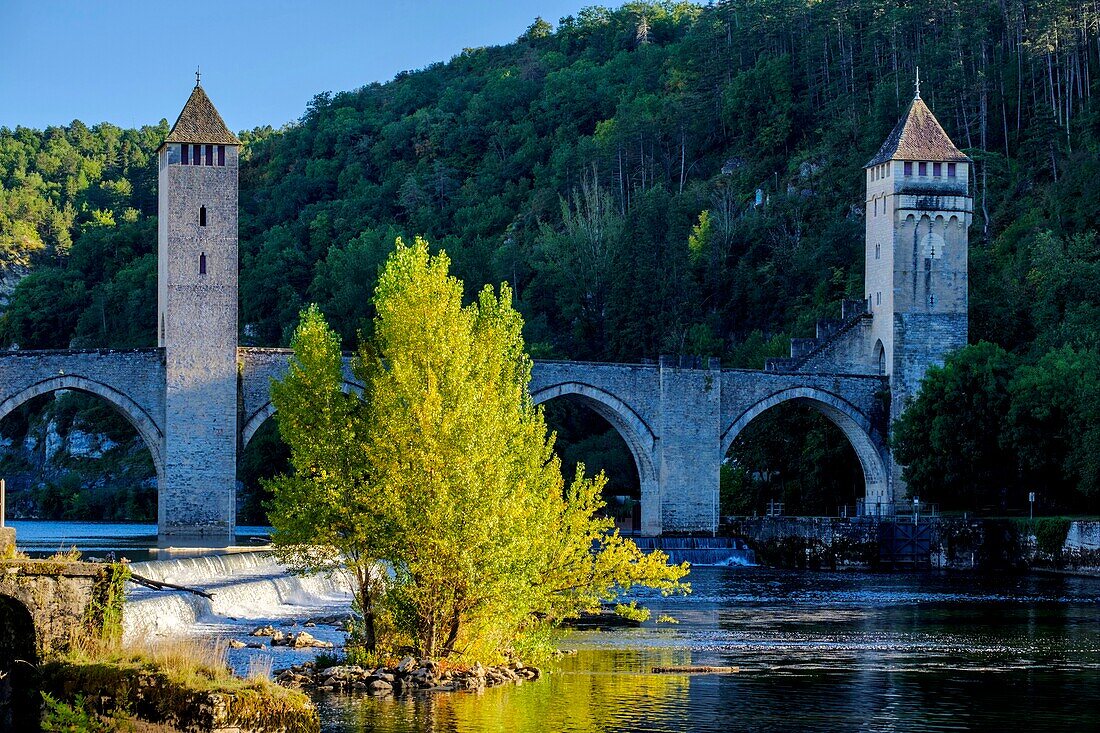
(678, 418)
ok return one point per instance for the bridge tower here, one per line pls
(197, 323)
(918, 211)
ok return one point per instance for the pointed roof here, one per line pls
(918, 136)
(199, 122)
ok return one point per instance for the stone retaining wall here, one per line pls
(956, 543)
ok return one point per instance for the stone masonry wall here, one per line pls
(56, 594)
(690, 450)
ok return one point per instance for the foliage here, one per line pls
(948, 438)
(790, 454)
(988, 428)
(329, 513)
(632, 611)
(1050, 535)
(103, 616)
(74, 717)
(445, 471)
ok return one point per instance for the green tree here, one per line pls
(328, 513)
(492, 533)
(1053, 426)
(444, 470)
(949, 437)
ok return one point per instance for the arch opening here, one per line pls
(802, 451)
(19, 698)
(633, 434)
(262, 457)
(74, 448)
(585, 436)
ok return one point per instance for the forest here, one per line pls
(655, 178)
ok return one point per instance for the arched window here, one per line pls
(202, 216)
(202, 263)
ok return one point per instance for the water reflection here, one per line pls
(817, 651)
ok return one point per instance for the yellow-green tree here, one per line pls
(328, 514)
(456, 470)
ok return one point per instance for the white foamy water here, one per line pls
(247, 588)
(738, 559)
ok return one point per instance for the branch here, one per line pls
(160, 585)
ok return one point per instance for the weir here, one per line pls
(246, 585)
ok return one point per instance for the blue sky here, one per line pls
(132, 63)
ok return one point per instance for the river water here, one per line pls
(817, 651)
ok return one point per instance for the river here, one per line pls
(817, 651)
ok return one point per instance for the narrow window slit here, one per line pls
(202, 263)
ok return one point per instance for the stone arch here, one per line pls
(852, 422)
(19, 701)
(134, 413)
(254, 421)
(634, 431)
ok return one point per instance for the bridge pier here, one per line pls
(689, 447)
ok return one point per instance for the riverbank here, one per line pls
(183, 687)
(855, 649)
(956, 543)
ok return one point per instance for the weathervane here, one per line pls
(197, 78)
(918, 83)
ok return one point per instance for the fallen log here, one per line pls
(161, 585)
(696, 669)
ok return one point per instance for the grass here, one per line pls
(198, 664)
(174, 679)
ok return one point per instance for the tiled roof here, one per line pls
(918, 136)
(199, 122)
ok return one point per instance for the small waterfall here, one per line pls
(702, 551)
(187, 570)
(245, 586)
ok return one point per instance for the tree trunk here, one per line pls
(366, 605)
(452, 634)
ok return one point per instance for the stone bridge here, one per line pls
(198, 399)
(678, 419)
